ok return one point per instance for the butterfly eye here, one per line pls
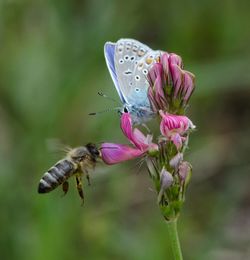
(125, 110)
(145, 72)
(137, 89)
(126, 57)
(121, 61)
(132, 58)
(137, 77)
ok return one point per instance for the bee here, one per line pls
(77, 163)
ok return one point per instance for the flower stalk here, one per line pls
(174, 239)
(170, 88)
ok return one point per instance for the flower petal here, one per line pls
(177, 140)
(140, 140)
(165, 64)
(152, 99)
(188, 85)
(175, 59)
(159, 93)
(179, 124)
(154, 72)
(166, 179)
(177, 76)
(136, 137)
(126, 126)
(116, 153)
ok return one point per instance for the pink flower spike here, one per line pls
(116, 153)
(170, 87)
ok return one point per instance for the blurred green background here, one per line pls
(51, 68)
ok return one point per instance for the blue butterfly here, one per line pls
(128, 62)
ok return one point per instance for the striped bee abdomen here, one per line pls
(56, 175)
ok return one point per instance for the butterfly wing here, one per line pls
(140, 84)
(109, 53)
(128, 62)
(128, 52)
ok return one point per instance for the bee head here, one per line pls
(93, 150)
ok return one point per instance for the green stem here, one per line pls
(174, 239)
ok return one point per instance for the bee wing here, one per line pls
(56, 147)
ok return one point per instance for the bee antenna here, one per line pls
(105, 96)
(104, 111)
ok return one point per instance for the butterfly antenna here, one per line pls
(104, 111)
(105, 96)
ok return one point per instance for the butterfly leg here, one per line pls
(65, 187)
(146, 127)
(79, 188)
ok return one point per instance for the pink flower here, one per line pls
(170, 85)
(115, 153)
(173, 127)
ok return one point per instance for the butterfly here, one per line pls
(128, 62)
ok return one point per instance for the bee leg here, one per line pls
(65, 187)
(79, 188)
(88, 178)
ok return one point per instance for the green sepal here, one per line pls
(153, 153)
(188, 178)
(167, 212)
(177, 205)
(175, 189)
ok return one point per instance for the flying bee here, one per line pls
(77, 162)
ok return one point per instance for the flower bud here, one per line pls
(184, 171)
(175, 161)
(170, 86)
(166, 179)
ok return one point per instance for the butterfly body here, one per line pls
(128, 62)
